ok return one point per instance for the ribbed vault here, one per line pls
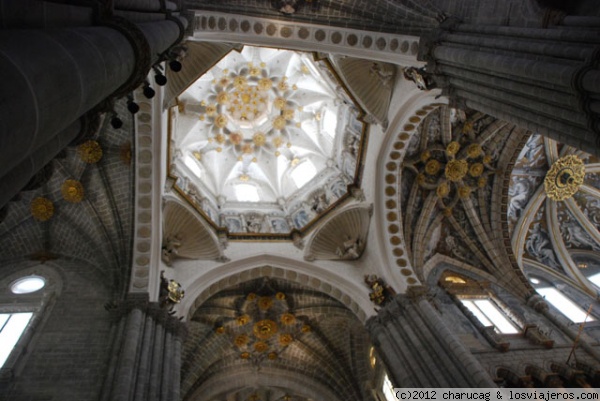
(452, 181)
(307, 344)
(556, 236)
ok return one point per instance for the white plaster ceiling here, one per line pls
(261, 131)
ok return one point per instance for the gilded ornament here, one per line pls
(254, 71)
(295, 87)
(220, 330)
(272, 355)
(277, 141)
(251, 296)
(476, 170)
(240, 82)
(247, 148)
(452, 148)
(564, 178)
(220, 138)
(42, 209)
(279, 123)
(259, 139)
(288, 114)
(285, 339)
(235, 138)
(304, 69)
(306, 328)
(487, 159)
(219, 149)
(288, 318)
(481, 182)
(223, 98)
(456, 169)
(265, 329)
(241, 340)
(197, 155)
(90, 151)
(279, 103)
(265, 303)
(432, 167)
(242, 320)
(425, 156)
(467, 127)
(221, 121)
(421, 179)
(72, 191)
(447, 212)
(244, 177)
(474, 150)
(442, 190)
(464, 192)
(280, 296)
(264, 84)
(282, 86)
(245, 355)
(223, 82)
(261, 346)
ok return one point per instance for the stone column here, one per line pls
(419, 350)
(146, 353)
(544, 80)
(53, 77)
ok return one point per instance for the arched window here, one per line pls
(479, 300)
(560, 301)
(24, 299)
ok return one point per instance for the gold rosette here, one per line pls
(265, 329)
(452, 148)
(456, 169)
(42, 209)
(221, 121)
(476, 170)
(90, 152)
(432, 167)
(72, 191)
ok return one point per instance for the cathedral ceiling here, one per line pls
(266, 141)
(78, 210)
(452, 181)
(270, 328)
(554, 210)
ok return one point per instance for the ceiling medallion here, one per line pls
(90, 152)
(453, 172)
(264, 327)
(72, 191)
(564, 178)
(42, 209)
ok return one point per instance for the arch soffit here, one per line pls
(347, 292)
(240, 378)
(416, 106)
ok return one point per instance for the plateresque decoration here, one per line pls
(454, 172)
(72, 191)
(255, 138)
(264, 326)
(90, 152)
(42, 209)
(564, 178)
(170, 292)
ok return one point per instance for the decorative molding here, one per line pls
(343, 236)
(220, 27)
(187, 235)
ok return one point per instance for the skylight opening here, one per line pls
(567, 307)
(12, 326)
(246, 193)
(489, 315)
(191, 163)
(330, 123)
(303, 173)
